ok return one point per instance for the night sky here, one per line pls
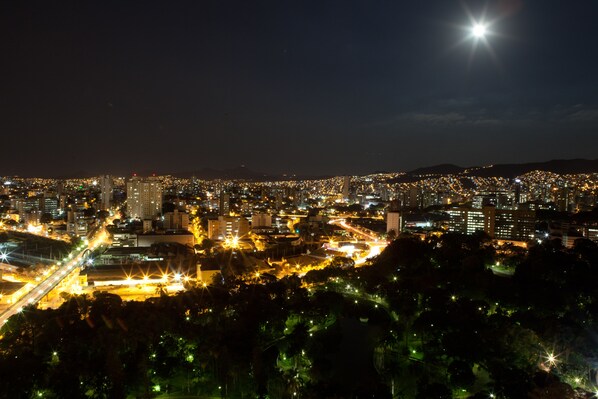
(306, 87)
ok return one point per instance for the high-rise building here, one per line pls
(394, 222)
(346, 187)
(59, 188)
(51, 205)
(278, 200)
(562, 198)
(412, 198)
(144, 198)
(517, 192)
(106, 190)
(224, 206)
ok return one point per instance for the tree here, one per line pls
(461, 374)
(168, 207)
(434, 390)
(45, 218)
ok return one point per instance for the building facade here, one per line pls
(176, 220)
(394, 222)
(511, 224)
(227, 226)
(144, 198)
(106, 192)
(261, 220)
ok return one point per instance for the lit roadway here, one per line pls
(367, 235)
(375, 243)
(59, 273)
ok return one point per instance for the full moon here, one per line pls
(479, 30)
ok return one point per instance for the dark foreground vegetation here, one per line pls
(428, 319)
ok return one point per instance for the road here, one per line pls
(365, 234)
(56, 274)
(375, 243)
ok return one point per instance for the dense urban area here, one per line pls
(429, 284)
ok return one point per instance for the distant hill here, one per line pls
(241, 173)
(560, 166)
(442, 169)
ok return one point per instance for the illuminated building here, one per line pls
(411, 198)
(227, 226)
(144, 198)
(518, 191)
(394, 222)
(261, 220)
(346, 187)
(592, 234)
(176, 220)
(224, 205)
(179, 237)
(106, 191)
(514, 224)
(457, 220)
(25, 205)
(76, 224)
(11, 291)
(51, 205)
(469, 221)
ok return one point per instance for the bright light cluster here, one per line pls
(479, 30)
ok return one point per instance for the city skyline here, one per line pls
(299, 199)
(311, 89)
(467, 271)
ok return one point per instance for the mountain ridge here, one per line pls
(511, 170)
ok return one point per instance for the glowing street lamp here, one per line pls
(551, 360)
